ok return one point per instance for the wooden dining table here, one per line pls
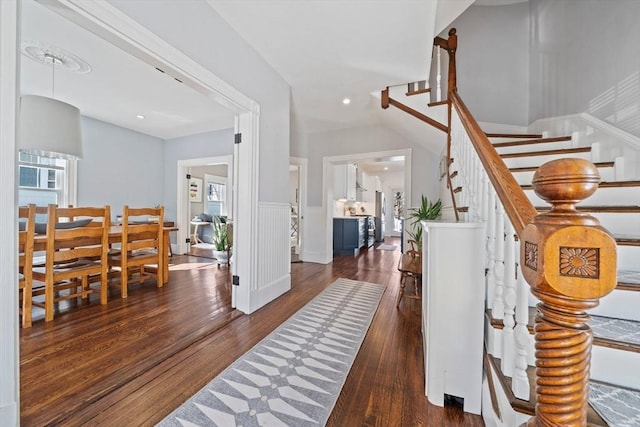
(115, 236)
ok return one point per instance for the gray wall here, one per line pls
(209, 144)
(493, 62)
(424, 167)
(119, 167)
(585, 57)
(210, 41)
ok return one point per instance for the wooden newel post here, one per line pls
(569, 261)
(450, 45)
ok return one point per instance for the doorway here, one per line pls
(214, 170)
(399, 179)
(214, 204)
(298, 202)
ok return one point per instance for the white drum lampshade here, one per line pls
(49, 127)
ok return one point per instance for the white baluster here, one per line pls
(508, 344)
(491, 246)
(438, 76)
(519, 380)
(484, 190)
(498, 267)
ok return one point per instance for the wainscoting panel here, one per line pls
(274, 263)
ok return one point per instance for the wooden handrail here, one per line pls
(516, 204)
(386, 100)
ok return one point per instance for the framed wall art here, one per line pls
(195, 190)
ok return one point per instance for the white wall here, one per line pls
(363, 140)
(210, 41)
(585, 57)
(119, 167)
(493, 62)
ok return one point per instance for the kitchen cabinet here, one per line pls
(344, 182)
(349, 235)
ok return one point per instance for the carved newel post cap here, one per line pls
(567, 253)
(566, 181)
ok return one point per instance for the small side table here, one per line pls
(196, 224)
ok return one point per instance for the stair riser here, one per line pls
(609, 365)
(536, 147)
(519, 162)
(621, 304)
(620, 223)
(508, 416)
(525, 178)
(629, 258)
(604, 196)
(615, 366)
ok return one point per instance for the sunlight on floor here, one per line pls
(191, 266)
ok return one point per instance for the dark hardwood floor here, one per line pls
(131, 362)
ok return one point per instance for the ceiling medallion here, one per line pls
(63, 59)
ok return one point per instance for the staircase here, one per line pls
(614, 394)
(585, 345)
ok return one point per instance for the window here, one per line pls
(215, 198)
(44, 180)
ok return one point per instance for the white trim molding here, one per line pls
(9, 344)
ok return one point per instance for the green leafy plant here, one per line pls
(427, 211)
(220, 235)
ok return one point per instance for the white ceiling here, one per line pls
(329, 50)
(325, 49)
(119, 86)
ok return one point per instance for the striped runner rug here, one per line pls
(293, 377)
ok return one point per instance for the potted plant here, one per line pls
(220, 241)
(427, 211)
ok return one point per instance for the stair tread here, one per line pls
(531, 141)
(604, 184)
(616, 330)
(528, 406)
(436, 103)
(547, 152)
(513, 135)
(618, 406)
(622, 334)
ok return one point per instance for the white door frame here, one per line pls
(9, 335)
(183, 216)
(327, 187)
(113, 25)
(302, 165)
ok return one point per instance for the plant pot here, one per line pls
(221, 256)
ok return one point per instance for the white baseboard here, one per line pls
(271, 291)
(317, 257)
(9, 414)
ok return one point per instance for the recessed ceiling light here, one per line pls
(346, 101)
(386, 168)
(140, 116)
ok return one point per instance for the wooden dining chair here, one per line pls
(410, 266)
(26, 219)
(142, 249)
(76, 253)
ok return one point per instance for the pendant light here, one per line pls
(49, 127)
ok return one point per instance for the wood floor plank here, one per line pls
(133, 361)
